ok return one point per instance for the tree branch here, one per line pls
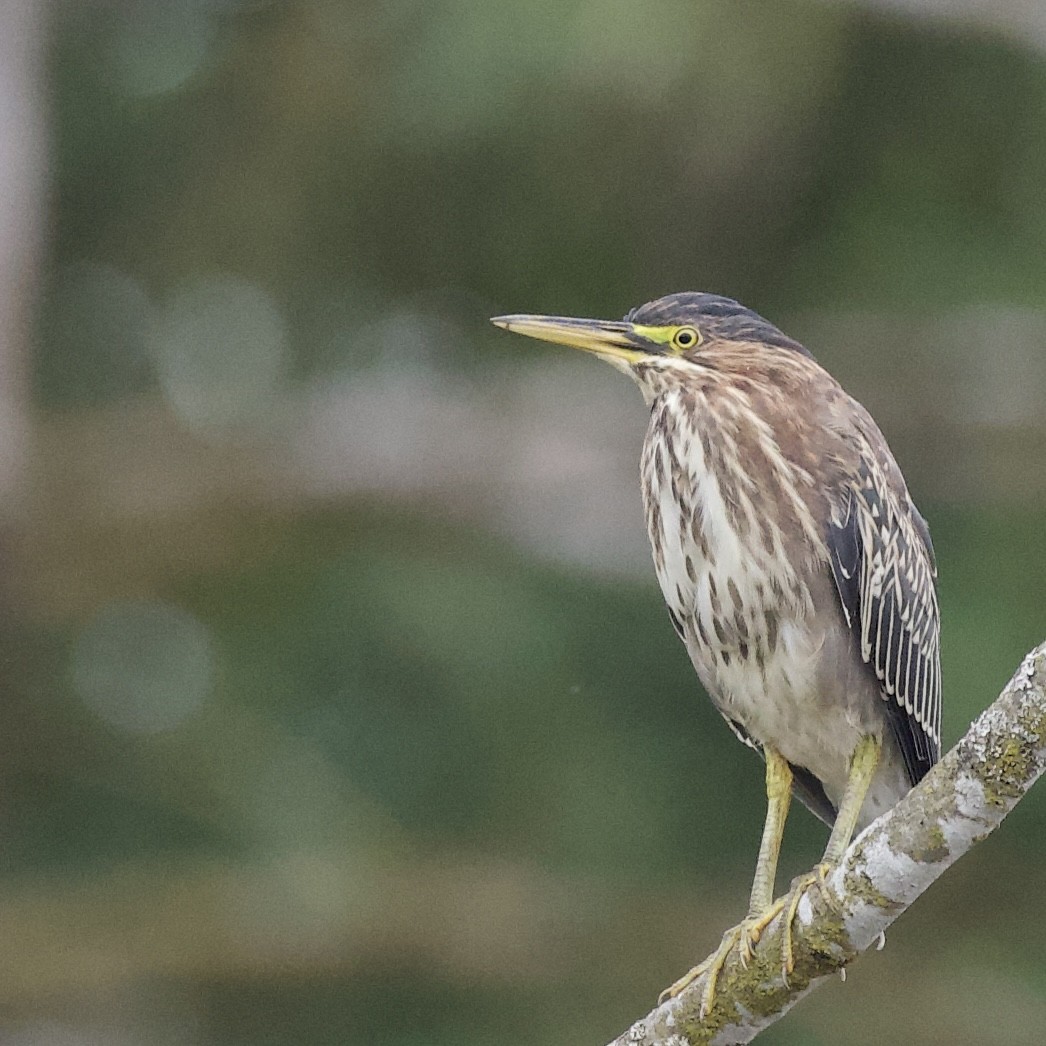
(961, 801)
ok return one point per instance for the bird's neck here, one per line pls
(715, 452)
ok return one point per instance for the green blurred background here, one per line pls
(339, 703)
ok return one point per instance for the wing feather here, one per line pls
(885, 573)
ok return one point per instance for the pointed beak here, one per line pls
(611, 340)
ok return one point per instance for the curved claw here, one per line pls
(746, 935)
(817, 877)
(713, 966)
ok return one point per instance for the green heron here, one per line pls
(796, 569)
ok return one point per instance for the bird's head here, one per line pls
(674, 336)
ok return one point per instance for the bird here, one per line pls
(796, 569)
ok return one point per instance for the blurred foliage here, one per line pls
(437, 788)
(582, 156)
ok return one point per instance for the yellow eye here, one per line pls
(686, 338)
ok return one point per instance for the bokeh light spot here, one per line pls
(143, 666)
(220, 348)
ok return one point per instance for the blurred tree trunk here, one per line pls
(23, 182)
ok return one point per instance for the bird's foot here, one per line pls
(817, 877)
(745, 936)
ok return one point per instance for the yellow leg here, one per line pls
(761, 907)
(778, 799)
(863, 764)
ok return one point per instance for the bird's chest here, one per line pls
(737, 597)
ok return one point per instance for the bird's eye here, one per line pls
(685, 338)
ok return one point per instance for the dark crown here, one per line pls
(715, 316)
